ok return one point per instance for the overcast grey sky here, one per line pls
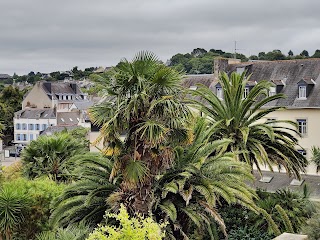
(43, 35)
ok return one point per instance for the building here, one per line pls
(29, 123)
(49, 104)
(57, 95)
(298, 80)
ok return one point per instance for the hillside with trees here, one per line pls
(200, 61)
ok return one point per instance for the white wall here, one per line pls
(35, 133)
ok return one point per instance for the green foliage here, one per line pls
(144, 100)
(312, 227)
(247, 233)
(189, 193)
(134, 228)
(25, 206)
(241, 120)
(316, 157)
(85, 199)
(74, 232)
(48, 156)
(10, 102)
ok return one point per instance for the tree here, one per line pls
(241, 120)
(290, 53)
(144, 101)
(304, 53)
(189, 193)
(316, 157)
(13, 210)
(85, 199)
(48, 156)
(316, 54)
(197, 52)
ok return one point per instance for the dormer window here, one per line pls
(272, 91)
(305, 87)
(245, 92)
(240, 70)
(219, 93)
(302, 92)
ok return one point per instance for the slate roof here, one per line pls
(36, 114)
(68, 118)
(53, 129)
(4, 76)
(290, 72)
(282, 180)
(193, 80)
(83, 105)
(55, 89)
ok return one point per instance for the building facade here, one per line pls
(298, 80)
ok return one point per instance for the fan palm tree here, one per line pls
(85, 199)
(187, 195)
(144, 101)
(240, 119)
(48, 156)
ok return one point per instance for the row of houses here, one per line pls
(49, 106)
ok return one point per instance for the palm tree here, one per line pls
(144, 102)
(48, 155)
(188, 194)
(14, 205)
(240, 119)
(316, 157)
(85, 199)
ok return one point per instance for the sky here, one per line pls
(46, 36)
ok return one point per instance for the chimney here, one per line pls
(48, 86)
(74, 87)
(219, 65)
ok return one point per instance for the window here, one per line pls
(302, 126)
(18, 126)
(31, 126)
(44, 126)
(23, 137)
(24, 126)
(246, 92)
(31, 137)
(37, 126)
(272, 91)
(219, 93)
(302, 92)
(18, 137)
(240, 70)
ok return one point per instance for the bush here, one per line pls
(135, 228)
(312, 228)
(29, 200)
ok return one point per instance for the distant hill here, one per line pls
(200, 61)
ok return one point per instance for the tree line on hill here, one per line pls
(199, 61)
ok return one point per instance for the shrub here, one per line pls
(32, 199)
(135, 228)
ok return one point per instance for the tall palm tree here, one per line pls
(48, 155)
(144, 101)
(188, 194)
(240, 119)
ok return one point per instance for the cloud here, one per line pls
(43, 35)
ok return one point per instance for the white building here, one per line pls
(29, 123)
